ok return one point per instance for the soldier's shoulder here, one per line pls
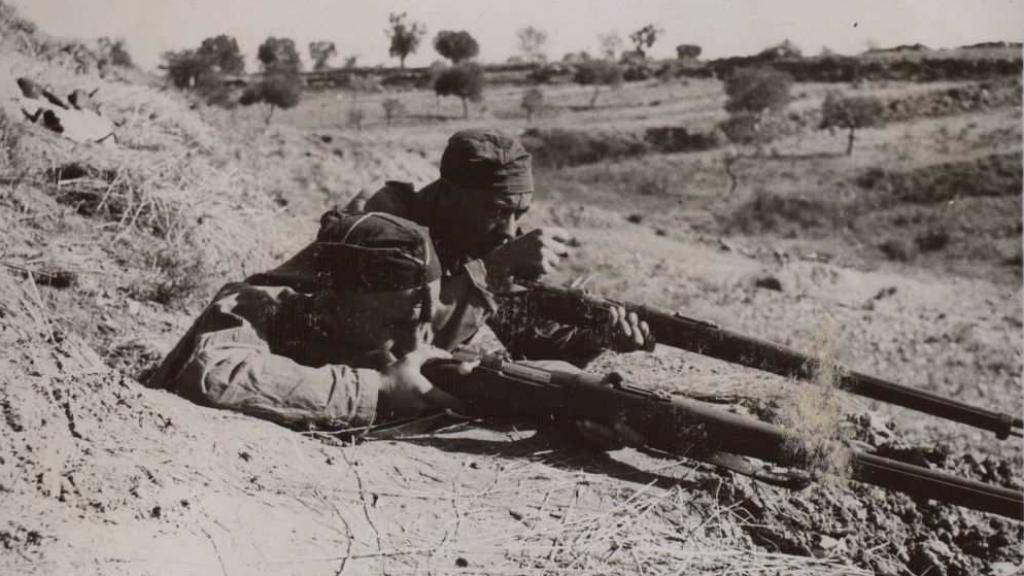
(399, 186)
(393, 196)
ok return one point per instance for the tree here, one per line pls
(115, 52)
(688, 51)
(215, 56)
(784, 50)
(456, 46)
(644, 38)
(184, 67)
(405, 36)
(393, 107)
(598, 73)
(757, 90)
(532, 43)
(279, 56)
(532, 103)
(464, 80)
(275, 90)
(611, 43)
(223, 53)
(320, 52)
(753, 96)
(851, 113)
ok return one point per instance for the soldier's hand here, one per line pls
(530, 256)
(629, 333)
(406, 392)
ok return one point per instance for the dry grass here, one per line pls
(814, 412)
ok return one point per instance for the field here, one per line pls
(902, 259)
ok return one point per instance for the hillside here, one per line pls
(109, 250)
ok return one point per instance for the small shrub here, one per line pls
(932, 240)
(393, 108)
(897, 249)
(355, 118)
(532, 103)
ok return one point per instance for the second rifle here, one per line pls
(568, 306)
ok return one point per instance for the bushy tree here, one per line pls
(757, 90)
(320, 52)
(223, 53)
(754, 95)
(598, 73)
(644, 38)
(275, 91)
(393, 108)
(464, 80)
(532, 42)
(181, 67)
(851, 113)
(456, 46)
(533, 102)
(405, 36)
(279, 56)
(202, 69)
(688, 51)
(611, 44)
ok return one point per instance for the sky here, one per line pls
(721, 27)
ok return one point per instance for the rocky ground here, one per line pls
(110, 249)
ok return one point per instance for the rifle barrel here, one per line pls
(688, 427)
(673, 329)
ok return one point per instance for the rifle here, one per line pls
(683, 427)
(574, 307)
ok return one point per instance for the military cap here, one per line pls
(373, 252)
(488, 160)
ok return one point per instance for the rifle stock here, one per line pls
(685, 427)
(673, 329)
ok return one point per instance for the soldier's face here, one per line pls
(487, 221)
(385, 320)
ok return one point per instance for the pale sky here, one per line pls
(721, 27)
